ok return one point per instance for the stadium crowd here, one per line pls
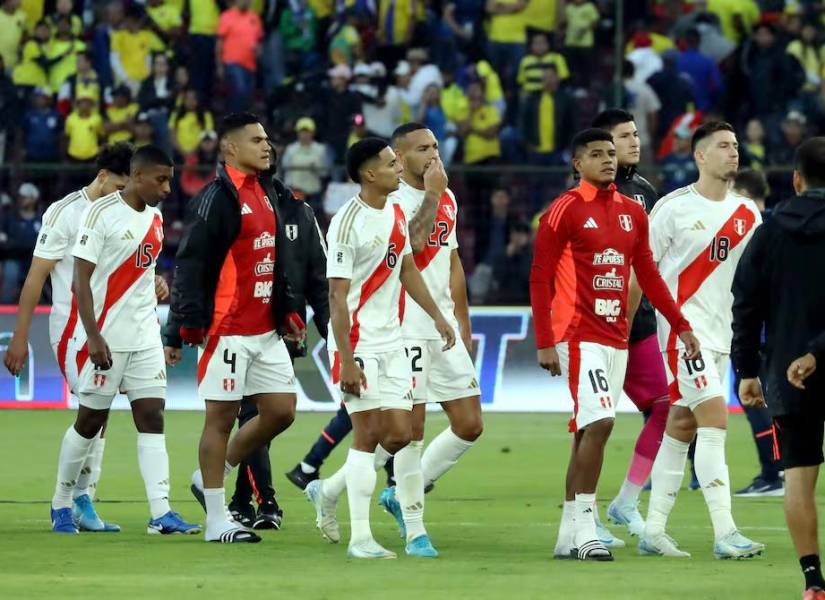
(503, 84)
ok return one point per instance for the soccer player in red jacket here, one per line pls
(587, 242)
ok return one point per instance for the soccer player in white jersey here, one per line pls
(53, 258)
(697, 235)
(118, 346)
(369, 260)
(447, 377)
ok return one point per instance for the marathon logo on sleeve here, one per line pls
(83, 239)
(265, 240)
(339, 257)
(608, 257)
(609, 281)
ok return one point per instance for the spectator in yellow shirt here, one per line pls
(62, 54)
(32, 70)
(480, 130)
(581, 17)
(533, 66)
(507, 37)
(83, 129)
(188, 122)
(132, 49)
(12, 28)
(120, 117)
(83, 83)
(167, 18)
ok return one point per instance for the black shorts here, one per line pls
(797, 440)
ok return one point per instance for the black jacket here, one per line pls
(779, 283)
(633, 185)
(306, 260)
(564, 118)
(211, 225)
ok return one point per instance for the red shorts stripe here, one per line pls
(575, 360)
(203, 363)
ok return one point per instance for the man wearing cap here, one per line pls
(305, 162)
(18, 238)
(341, 105)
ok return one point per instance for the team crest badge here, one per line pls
(448, 210)
(640, 199)
(402, 227)
(626, 222)
(268, 203)
(292, 232)
(739, 226)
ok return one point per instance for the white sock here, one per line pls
(215, 501)
(360, 477)
(713, 476)
(381, 457)
(441, 454)
(410, 488)
(334, 486)
(307, 469)
(73, 453)
(666, 479)
(154, 468)
(564, 543)
(584, 518)
(84, 481)
(629, 493)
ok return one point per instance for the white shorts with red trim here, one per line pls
(389, 381)
(441, 375)
(692, 382)
(231, 367)
(138, 374)
(595, 374)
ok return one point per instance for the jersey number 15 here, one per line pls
(143, 256)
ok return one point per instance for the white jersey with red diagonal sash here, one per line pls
(55, 242)
(433, 261)
(366, 246)
(124, 244)
(697, 243)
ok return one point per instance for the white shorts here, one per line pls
(138, 374)
(389, 381)
(691, 382)
(595, 374)
(70, 375)
(232, 367)
(441, 376)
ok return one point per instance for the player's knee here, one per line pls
(279, 416)
(600, 430)
(396, 439)
(149, 421)
(469, 429)
(417, 431)
(89, 425)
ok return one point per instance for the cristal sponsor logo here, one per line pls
(266, 266)
(608, 257)
(608, 281)
(265, 240)
(609, 309)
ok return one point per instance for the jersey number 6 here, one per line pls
(392, 256)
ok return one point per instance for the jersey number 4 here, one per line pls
(143, 256)
(719, 248)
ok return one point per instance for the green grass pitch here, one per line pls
(493, 518)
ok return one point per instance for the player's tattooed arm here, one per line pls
(99, 352)
(458, 291)
(435, 184)
(351, 375)
(413, 282)
(18, 350)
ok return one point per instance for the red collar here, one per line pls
(590, 192)
(237, 177)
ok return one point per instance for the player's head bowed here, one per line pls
(151, 174)
(113, 166)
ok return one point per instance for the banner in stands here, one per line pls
(503, 351)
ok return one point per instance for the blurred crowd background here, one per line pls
(503, 84)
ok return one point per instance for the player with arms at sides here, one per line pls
(118, 346)
(53, 258)
(231, 298)
(587, 242)
(447, 377)
(698, 234)
(369, 260)
(645, 381)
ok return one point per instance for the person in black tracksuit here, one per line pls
(779, 286)
(306, 268)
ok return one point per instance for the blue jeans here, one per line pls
(241, 82)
